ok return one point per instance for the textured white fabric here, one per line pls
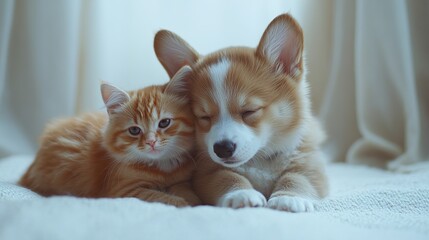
(365, 203)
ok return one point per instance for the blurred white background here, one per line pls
(367, 60)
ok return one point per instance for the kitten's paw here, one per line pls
(193, 200)
(291, 204)
(178, 202)
(243, 198)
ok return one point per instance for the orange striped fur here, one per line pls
(95, 155)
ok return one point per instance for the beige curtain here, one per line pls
(367, 64)
(376, 106)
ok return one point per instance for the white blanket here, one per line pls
(365, 203)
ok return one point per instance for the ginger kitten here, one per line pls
(141, 148)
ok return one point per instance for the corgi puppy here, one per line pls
(258, 141)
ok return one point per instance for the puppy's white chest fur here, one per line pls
(264, 172)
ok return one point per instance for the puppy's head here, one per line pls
(247, 101)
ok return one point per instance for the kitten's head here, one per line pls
(154, 124)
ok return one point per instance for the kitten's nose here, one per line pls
(224, 148)
(151, 139)
(151, 143)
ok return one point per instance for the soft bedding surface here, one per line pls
(365, 203)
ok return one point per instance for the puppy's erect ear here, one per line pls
(179, 84)
(113, 97)
(173, 52)
(282, 44)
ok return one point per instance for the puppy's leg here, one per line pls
(185, 191)
(227, 189)
(302, 182)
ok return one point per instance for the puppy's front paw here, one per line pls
(291, 204)
(243, 198)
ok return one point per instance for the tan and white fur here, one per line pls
(258, 140)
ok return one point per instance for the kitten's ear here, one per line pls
(173, 52)
(179, 85)
(282, 44)
(113, 97)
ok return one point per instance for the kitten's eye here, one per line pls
(249, 113)
(134, 131)
(164, 123)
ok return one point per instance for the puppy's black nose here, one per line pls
(224, 149)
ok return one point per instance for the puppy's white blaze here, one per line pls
(218, 74)
(226, 128)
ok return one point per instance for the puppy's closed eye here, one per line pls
(251, 114)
